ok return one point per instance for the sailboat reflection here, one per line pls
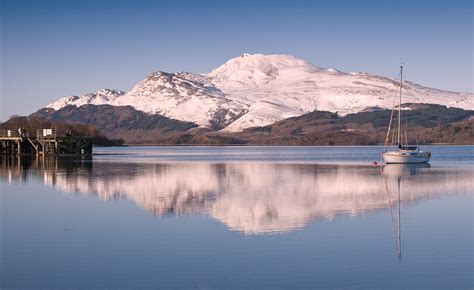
(252, 198)
(398, 172)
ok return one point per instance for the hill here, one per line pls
(121, 122)
(426, 124)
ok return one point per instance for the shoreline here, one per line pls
(265, 145)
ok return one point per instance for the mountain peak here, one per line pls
(333, 70)
(109, 92)
(253, 70)
(279, 60)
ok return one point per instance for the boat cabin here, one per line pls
(407, 147)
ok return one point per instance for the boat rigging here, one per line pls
(403, 154)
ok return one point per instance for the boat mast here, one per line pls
(399, 250)
(400, 106)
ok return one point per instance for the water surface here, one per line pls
(237, 217)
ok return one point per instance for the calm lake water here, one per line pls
(237, 217)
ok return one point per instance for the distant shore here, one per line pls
(273, 145)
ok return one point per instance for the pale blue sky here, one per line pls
(51, 49)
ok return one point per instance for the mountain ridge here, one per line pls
(427, 123)
(257, 90)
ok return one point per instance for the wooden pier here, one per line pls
(44, 142)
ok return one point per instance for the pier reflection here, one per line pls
(253, 198)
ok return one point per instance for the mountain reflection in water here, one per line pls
(253, 198)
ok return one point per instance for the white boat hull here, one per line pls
(401, 158)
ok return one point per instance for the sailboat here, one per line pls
(403, 154)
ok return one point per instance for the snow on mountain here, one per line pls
(253, 71)
(183, 96)
(257, 90)
(104, 96)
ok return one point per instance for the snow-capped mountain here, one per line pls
(257, 90)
